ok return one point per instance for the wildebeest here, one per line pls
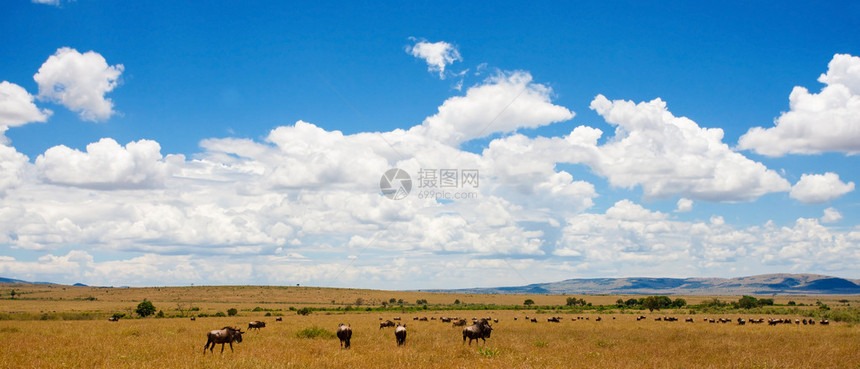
(400, 334)
(825, 321)
(554, 319)
(279, 319)
(459, 323)
(113, 319)
(193, 318)
(256, 324)
(386, 323)
(344, 333)
(480, 330)
(533, 320)
(397, 318)
(222, 336)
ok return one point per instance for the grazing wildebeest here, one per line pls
(193, 318)
(256, 324)
(480, 330)
(534, 320)
(222, 336)
(386, 323)
(688, 320)
(400, 334)
(397, 318)
(279, 319)
(424, 319)
(553, 319)
(598, 319)
(741, 321)
(445, 320)
(113, 319)
(459, 323)
(344, 333)
(825, 321)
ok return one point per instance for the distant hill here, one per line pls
(765, 284)
(10, 280)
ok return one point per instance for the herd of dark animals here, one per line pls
(480, 328)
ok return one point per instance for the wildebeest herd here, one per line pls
(479, 330)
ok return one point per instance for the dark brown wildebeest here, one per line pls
(598, 319)
(279, 319)
(386, 323)
(741, 321)
(553, 319)
(222, 336)
(113, 319)
(480, 330)
(445, 320)
(344, 333)
(400, 334)
(193, 318)
(824, 321)
(424, 319)
(688, 320)
(459, 323)
(397, 318)
(256, 324)
(533, 320)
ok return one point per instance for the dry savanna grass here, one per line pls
(621, 342)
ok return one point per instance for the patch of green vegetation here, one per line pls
(315, 332)
(489, 352)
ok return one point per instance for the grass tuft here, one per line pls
(315, 332)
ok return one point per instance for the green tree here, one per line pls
(529, 302)
(232, 311)
(655, 302)
(145, 308)
(392, 300)
(748, 302)
(13, 293)
(457, 302)
(679, 303)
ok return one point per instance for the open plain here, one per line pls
(50, 326)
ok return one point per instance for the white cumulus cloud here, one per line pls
(438, 55)
(17, 107)
(503, 103)
(831, 215)
(79, 82)
(670, 155)
(105, 165)
(820, 188)
(684, 205)
(816, 123)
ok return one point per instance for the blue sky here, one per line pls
(153, 142)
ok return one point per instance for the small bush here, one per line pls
(303, 311)
(315, 332)
(220, 314)
(232, 312)
(488, 352)
(268, 314)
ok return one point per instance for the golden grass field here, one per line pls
(621, 342)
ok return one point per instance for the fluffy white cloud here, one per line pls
(816, 123)
(684, 205)
(17, 107)
(12, 166)
(503, 103)
(831, 215)
(47, 2)
(79, 82)
(106, 165)
(820, 188)
(670, 155)
(438, 55)
(631, 240)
